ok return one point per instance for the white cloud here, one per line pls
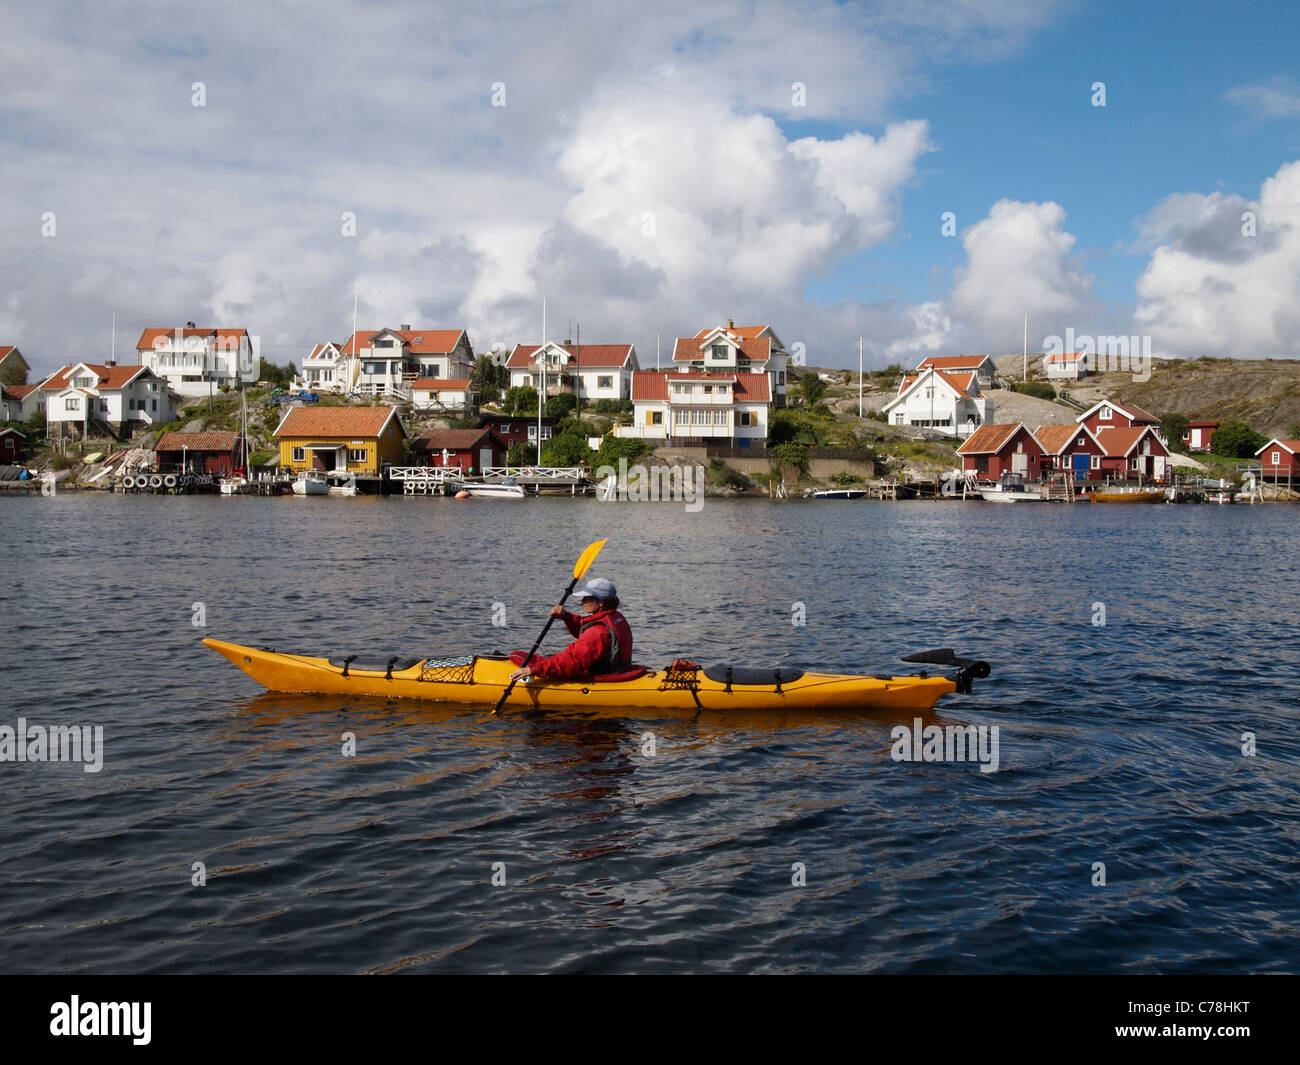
(1213, 289)
(1276, 98)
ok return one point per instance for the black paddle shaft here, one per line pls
(545, 629)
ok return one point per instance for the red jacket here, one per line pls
(590, 652)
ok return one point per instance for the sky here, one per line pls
(922, 175)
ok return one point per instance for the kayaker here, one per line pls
(603, 643)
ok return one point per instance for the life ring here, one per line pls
(155, 480)
(169, 481)
(527, 473)
(128, 481)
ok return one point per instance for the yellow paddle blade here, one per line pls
(587, 558)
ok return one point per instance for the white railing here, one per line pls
(538, 473)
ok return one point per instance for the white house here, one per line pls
(699, 407)
(90, 399)
(589, 371)
(324, 368)
(980, 365)
(387, 362)
(435, 394)
(738, 349)
(195, 361)
(1066, 365)
(945, 402)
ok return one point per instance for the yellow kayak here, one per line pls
(482, 678)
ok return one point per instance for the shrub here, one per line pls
(613, 448)
(1041, 389)
(1236, 440)
(522, 399)
(720, 473)
(611, 406)
(521, 454)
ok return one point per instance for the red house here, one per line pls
(469, 450)
(992, 450)
(1280, 460)
(213, 452)
(511, 430)
(1197, 435)
(1135, 451)
(11, 446)
(1070, 448)
(1108, 415)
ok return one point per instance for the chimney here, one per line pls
(731, 324)
(110, 362)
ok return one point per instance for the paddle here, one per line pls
(579, 570)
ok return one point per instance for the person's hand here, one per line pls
(557, 611)
(523, 673)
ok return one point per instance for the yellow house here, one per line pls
(357, 439)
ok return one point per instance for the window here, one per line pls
(503, 428)
(898, 419)
(387, 342)
(153, 405)
(1277, 458)
(605, 382)
(1136, 464)
(708, 390)
(780, 377)
(744, 418)
(1104, 414)
(719, 353)
(1079, 442)
(656, 417)
(300, 454)
(357, 454)
(72, 404)
(1095, 462)
(82, 382)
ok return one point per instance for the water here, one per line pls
(1119, 743)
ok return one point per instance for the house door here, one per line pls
(1020, 463)
(484, 458)
(318, 461)
(1080, 465)
(1158, 467)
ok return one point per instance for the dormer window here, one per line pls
(719, 352)
(1104, 414)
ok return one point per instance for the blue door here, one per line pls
(1080, 463)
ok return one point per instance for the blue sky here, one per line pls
(648, 172)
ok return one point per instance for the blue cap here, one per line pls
(600, 589)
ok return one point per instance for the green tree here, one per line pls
(1236, 440)
(812, 387)
(613, 448)
(488, 379)
(280, 376)
(561, 406)
(12, 374)
(521, 453)
(1293, 431)
(522, 399)
(568, 448)
(1173, 426)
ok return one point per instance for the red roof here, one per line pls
(414, 341)
(581, 356)
(650, 385)
(989, 439)
(1054, 439)
(953, 362)
(1118, 442)
(960, 381)
(109, 377)
(687, 349)
(749, 331)
(442, 384)
(230, 337)
(20, 391)
(215, 440)
(337, 421)
(1292, 446)
(454, 439)
(1064, 356)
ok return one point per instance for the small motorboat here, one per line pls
(311, 483)
(507, 489)
(341, 483)
(1011, 489)
(840, 493)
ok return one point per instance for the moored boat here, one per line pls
(1129, 495)
(311, 483)
(341, 483)
(840, 493)
(1011, 489)
(481, 679)
(506, 489)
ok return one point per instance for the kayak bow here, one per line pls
(482, 679)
